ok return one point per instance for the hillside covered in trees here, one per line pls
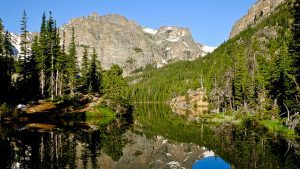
(257, 70)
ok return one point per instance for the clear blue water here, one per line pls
(211, 163)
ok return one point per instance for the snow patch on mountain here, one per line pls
(208, 49)
(173, 39)
(15, 42)
(150, 31)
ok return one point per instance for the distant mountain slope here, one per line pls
(124, 42)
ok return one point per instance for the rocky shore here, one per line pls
(192, 104)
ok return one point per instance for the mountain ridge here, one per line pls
(260, 10)
(118, 40)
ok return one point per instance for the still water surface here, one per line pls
(153, 138)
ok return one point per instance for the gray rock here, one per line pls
(260, 10)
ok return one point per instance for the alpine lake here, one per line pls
(152, 138)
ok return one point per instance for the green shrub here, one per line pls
(6, 110)
(138, 50)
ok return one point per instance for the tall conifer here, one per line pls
(33, 70)
(43, 55)
(93, 75)
(72, 64)
(84, 66)
(23, 56)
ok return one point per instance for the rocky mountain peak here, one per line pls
(118, 40)
(260, 10)
(173, 34)
(94, 15)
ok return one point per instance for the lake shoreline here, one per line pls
(61, 109)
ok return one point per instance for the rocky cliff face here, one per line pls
(257, 12)
(124, 42)
(16, 40)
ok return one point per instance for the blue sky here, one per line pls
(209, 20)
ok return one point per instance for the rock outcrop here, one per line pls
(118, 40)
(193, 104)
(260, 10)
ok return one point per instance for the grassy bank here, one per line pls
(100, 111)
(272, 125)
(97, 115)
(100, 115)
(277, 126)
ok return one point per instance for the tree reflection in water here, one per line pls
(247, 146)
(67, 146)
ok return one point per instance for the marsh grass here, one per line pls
(277, 127)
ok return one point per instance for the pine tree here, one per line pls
(281, 87)
(241, 80)
(84, 66)
(23, 60)
(23, 56)
(261, 80)
(61, 65)
(93, 75)
(114, 86)
(254, 88)
(72, 64)
(33, 70)
(43, 55)
(113, 82)
(51, 29)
